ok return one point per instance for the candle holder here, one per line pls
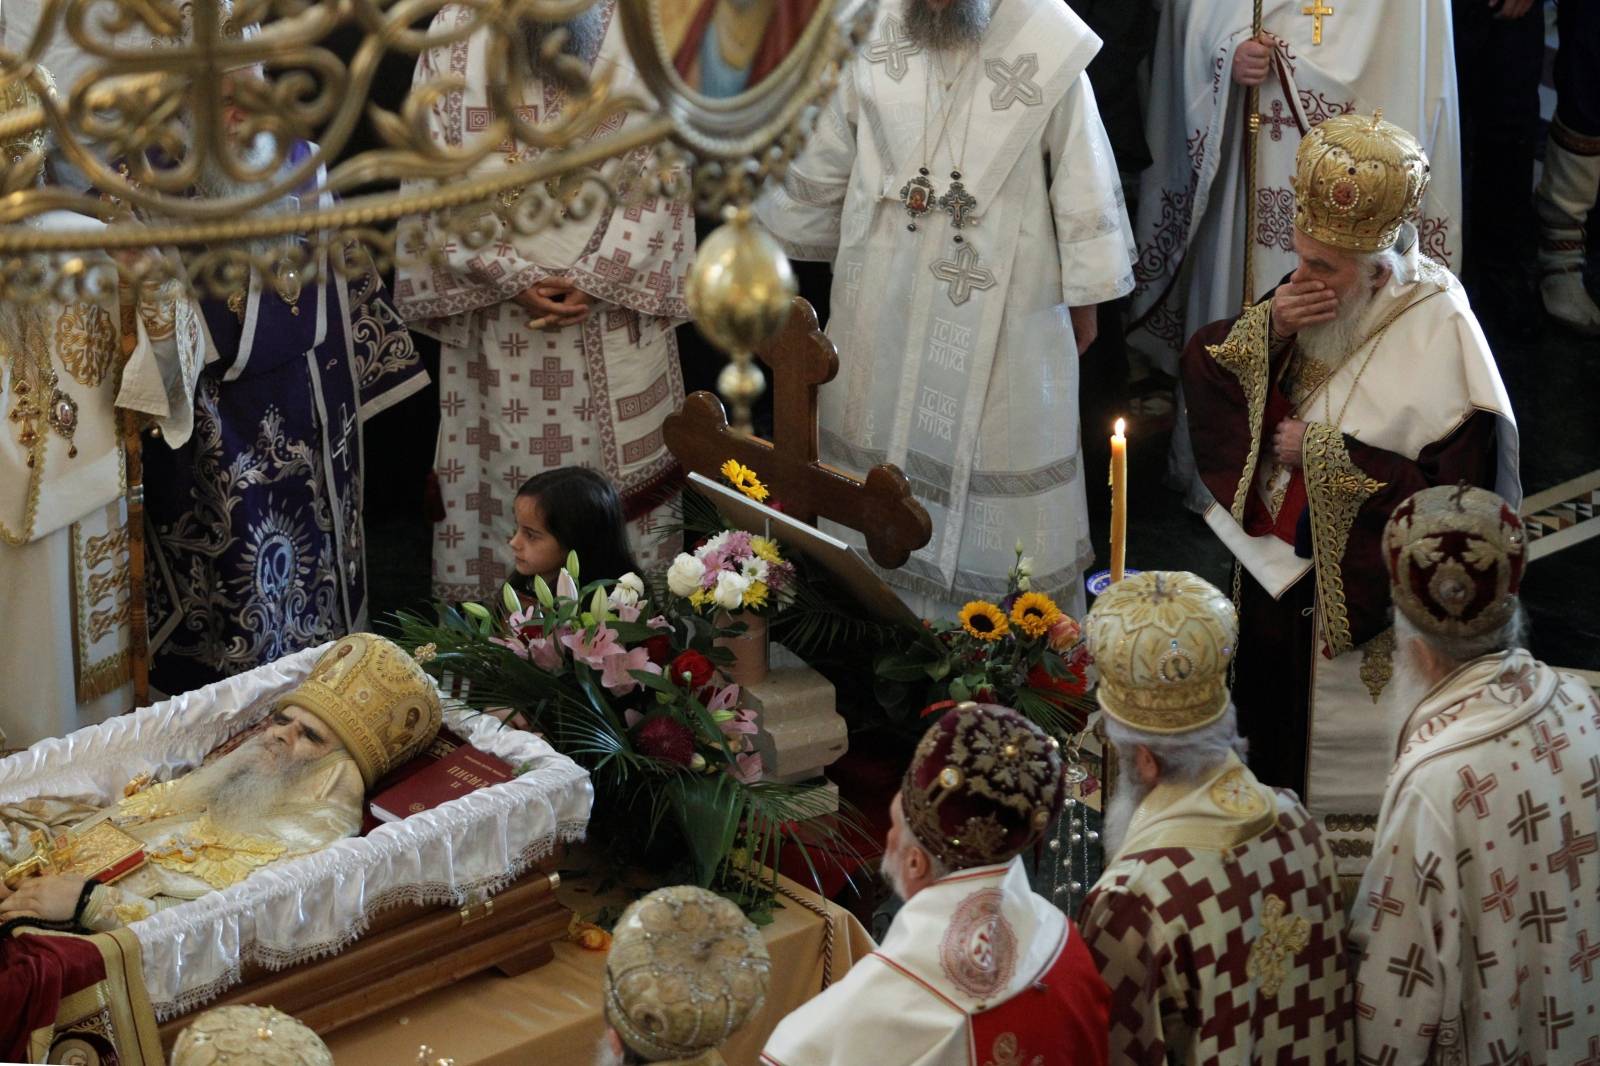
(1100, 580)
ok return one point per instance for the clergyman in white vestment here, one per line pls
(522, 389)
(960, 303)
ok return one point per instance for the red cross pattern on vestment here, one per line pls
(514, 477)
(1384, 904)
(1529, 815)
(487, 443)
(1500, 1055)
(1427, 872)
(1591, 787)
(1503, 896)
(1585, 957)
(616, 268)
(486, 502)
(451, 535)
(1305, 1010)
(479, 370)
(514, 410)
(624, 318)
(1475, 792)
(1542, 917)
(551, 444)
(1277, 120)
(1385, 1057)
(1548, 747)
(451, 404)
(1363, 1008)
(452, 470)
(1412, 970)
(514, 345)
(1484, 961)
(1570, 854)
(1593, 1058)
(552, 379)
(487, 564)
(1554, 1020)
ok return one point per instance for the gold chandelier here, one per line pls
(145, 115)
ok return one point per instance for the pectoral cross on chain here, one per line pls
(958, 203)
(1318, 11)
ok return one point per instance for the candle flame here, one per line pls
(1121, 426)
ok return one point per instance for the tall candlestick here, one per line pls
(1119, 501)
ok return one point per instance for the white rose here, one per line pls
(1025, 566)
(754, 569)
(685, 575)
(714, 543)
(627, 592)
(729, 593)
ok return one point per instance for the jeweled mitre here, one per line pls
(375, 697)
(1455, 558)
(1357, 178)
(1161, 642)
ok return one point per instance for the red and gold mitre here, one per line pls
(983, 785)
(1161, 643)
(1455, 558)
(375, 698)
(1357, 178)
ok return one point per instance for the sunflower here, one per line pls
(983, 620)
(1034, 613)
(765, 548)
(744, 479)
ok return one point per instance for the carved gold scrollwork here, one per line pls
(170, 88)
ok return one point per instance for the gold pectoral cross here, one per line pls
(1318, 11)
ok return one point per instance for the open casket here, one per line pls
(367, 922)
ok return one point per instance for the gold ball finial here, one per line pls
(740, 292)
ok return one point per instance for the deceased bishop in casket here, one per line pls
(246, 857)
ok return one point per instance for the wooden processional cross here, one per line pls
(802, 360)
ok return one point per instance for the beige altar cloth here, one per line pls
(552, 1014)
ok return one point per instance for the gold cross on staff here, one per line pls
(1318, 10)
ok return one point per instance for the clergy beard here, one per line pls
(1408, 685)
(959, 24)
(606, 1055)
(1331, 343)
(889, 870)
(1119, 811)
(585, 33)
(216, 184)
(245, 785)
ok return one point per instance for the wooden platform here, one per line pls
(408, 952)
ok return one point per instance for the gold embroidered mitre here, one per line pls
(375, 698)
(263, 1036)
(686, 969)
(1455, 556)
(1357, 178)
(1161, 642)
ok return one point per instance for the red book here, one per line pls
(462, 770)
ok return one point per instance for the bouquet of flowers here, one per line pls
(733, 571)
(636, 696)
(1022, 652)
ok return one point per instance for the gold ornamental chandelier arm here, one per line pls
(356, 212)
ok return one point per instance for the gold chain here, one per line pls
(1372, 339)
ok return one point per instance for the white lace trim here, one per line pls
(316, 905)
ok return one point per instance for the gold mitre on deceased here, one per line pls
(1357, 178)
(686, 969)
(259, 1036)
(375, 697)
(1161, 643)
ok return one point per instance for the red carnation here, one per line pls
(659, 648)
(666, 738)
(699, 669)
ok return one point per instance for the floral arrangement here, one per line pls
(1022, 652)
(744, 479)
(637, 696)
(733, 571)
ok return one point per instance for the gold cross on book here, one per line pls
(1317, 10)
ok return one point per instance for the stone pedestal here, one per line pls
(802, 732)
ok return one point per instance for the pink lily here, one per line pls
(626, 612)
(725, 699)
(741, 723)
(615, 675)
(545, 653)
(747, 768)
(593, 650)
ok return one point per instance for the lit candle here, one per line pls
(1119, 501)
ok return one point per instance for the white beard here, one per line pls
(1407, 686)
(1333, 342)
(244, 786)
(606, 1055)
(1119, 811)
(889, 869)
